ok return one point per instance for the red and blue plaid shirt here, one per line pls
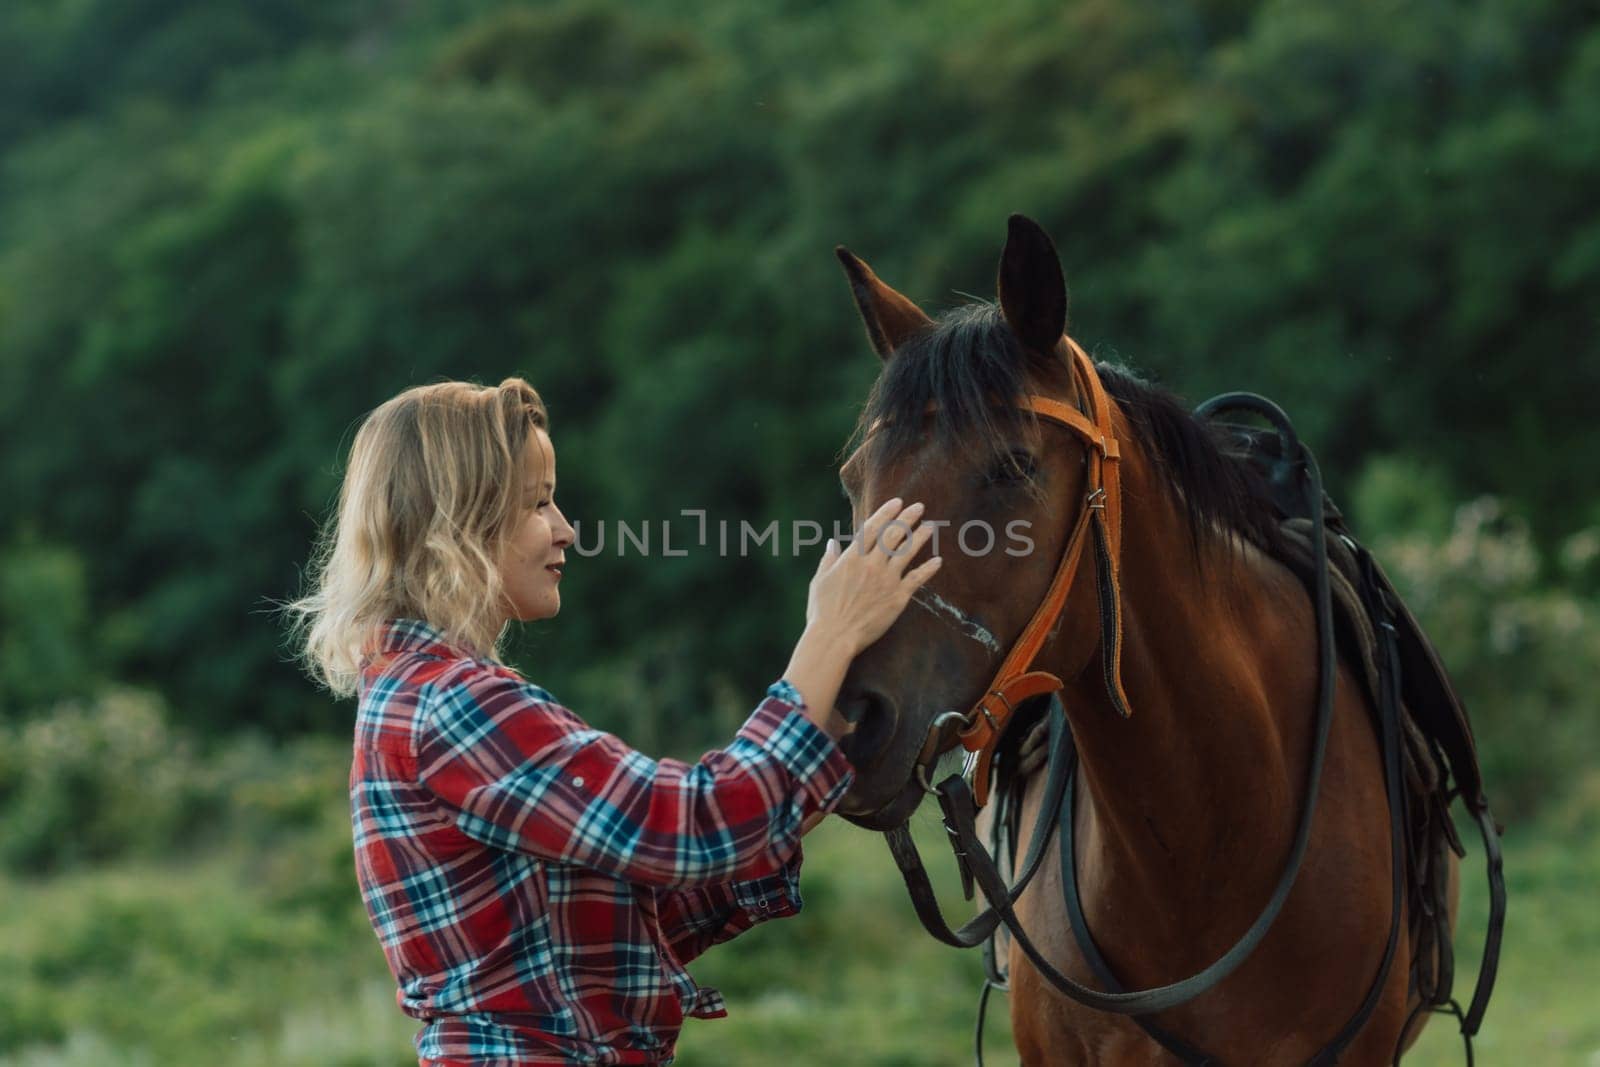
(537, 885)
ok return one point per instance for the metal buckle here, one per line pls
(999, 695)
(1097, 499)
(989, 716)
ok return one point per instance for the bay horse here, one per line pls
(1192, 763)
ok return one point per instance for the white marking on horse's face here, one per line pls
(934, 604)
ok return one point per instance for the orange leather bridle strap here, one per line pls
(1099, 518)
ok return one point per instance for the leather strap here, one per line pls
(918, 886)
(1100, 520)
(1086, 942)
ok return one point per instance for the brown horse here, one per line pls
(1188, 806)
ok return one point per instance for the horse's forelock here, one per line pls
(953, 371)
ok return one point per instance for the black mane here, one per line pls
(969, 356)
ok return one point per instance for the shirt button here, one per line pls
(577, 783)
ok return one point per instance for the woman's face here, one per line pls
(534, 553)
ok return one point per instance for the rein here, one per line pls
(981, 728)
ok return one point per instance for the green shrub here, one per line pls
(1521, 651)
(93, 780)
(44, 613)
(90, 780)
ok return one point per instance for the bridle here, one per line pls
(980, 729)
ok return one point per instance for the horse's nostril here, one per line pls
(854, 708)
(874, 717)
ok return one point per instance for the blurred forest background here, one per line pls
(228, 230)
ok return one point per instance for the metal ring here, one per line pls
(935, 730)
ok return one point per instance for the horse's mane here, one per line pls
(969, 356)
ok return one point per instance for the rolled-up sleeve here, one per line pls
(521, 772)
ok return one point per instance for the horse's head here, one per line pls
(942, 426)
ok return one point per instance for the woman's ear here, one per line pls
(891, 319)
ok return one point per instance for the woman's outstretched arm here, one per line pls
(525, 774)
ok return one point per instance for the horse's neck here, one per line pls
(1199, 778)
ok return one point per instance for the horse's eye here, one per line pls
(1014, 468)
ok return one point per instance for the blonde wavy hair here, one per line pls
(434, 477)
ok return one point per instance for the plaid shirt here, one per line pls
(537, 885)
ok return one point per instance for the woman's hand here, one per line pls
(858, 592)
(856, 595)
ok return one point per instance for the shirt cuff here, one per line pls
(781, 728)
(774, 897)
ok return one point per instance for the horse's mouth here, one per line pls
(887, 789)
(881, 816)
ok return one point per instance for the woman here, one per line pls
(537, 886)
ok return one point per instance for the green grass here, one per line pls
(854, 978)
(1546, 1004)
(263, 956)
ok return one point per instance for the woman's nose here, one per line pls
(563, 530)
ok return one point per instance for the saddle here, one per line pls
(1431, 701)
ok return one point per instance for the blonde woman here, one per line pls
(537, 885)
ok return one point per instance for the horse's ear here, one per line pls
(890, 318)
(1033, 291)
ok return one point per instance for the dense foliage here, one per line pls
(226, 231)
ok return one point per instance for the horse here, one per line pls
(1192, 753)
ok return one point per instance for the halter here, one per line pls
(981, 728)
